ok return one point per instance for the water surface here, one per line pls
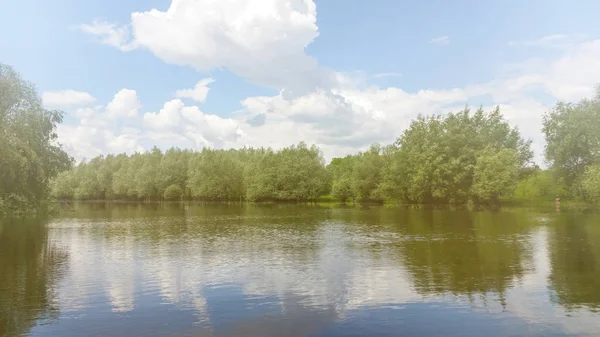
(218, 270)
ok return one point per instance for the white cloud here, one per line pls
(190, 126)
(110, 34)
(341, 121)
(569, 77)
(97, 129)
(66, 98)
(390, 74)
(198, 93)
(441, 40)
(574, 74)
(264, 42)
(260, 40)
(560, 41)
(125, 104)
(547, 40)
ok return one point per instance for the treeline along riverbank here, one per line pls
(468, 156)
(464, 157)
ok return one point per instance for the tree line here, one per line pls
(464, 157)
(456, 158)
(295, 173)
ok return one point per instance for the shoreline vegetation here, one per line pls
(473, 158)
(577, 206)
(30, 155)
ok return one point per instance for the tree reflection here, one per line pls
(464, 253)
(575, 261)
(30, 267)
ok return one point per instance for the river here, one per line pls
(283, 270)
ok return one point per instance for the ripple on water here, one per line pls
(304, 271)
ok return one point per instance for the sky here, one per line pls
(342, 74)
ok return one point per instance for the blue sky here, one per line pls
(351, 72)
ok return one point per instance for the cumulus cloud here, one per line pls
(125, 104)
(198, 93)
(96, 131)
(574, 74)
(440, 40)
(260, 40)
(110, 34)
(341, 121)
(264, 42)
(66, 98)
(189, 123)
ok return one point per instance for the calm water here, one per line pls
(133, 270)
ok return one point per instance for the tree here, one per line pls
(392, 184)
(367, 173)
(540, 185)
(455, 158)
(495, 175)
(342, 170)
(173, 170)
(146, 178)
(216, 175)
(572, 137)
(29, 152)
(173, 192)
(590, 183)
(295, 173)
(437, 156)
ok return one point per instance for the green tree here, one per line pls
(540, 185)
(342, 170)
(173, 170)
(393, 174)
(590, 183)
(437, 155)
(146, 178)
(572, 137)
(367, 173)
(295, 173)
(216, 175)
(29, 152)
(173, 192)
(495, 175)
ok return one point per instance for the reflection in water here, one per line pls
(464, 253)
(223, 270)
(30, 267)
(575, 256)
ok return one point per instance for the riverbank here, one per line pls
(330, 202)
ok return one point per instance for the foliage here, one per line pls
(495, 175)
(438, 158)
(463, 157)
(292, 174)
(29, 153)
(572, 137)
(540, 185)
(173, 192)
(590, 183)
(359, 177)
(367, 173)
(341, 170)
(296, 173)
(216, 175)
